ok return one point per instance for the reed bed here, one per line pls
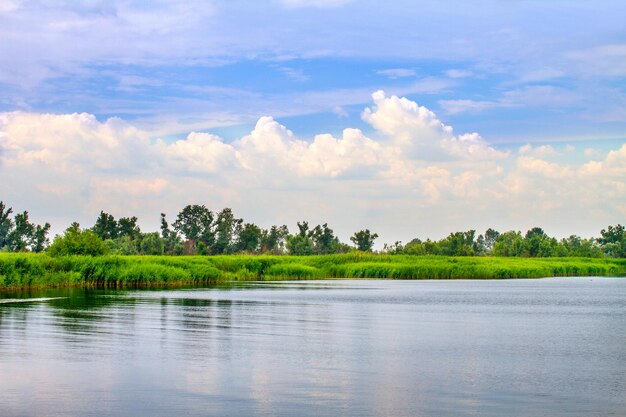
(29, 270)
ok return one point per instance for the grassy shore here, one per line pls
(27, 270)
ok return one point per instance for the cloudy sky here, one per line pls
(411, 118)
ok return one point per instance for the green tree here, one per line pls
(127, 226)
(486, 242)
(22, 233)
(171, 239)
(301, 243)
(195, 223)
(510, 243)
(78, 242)
(613, 241)
(274, 239)
(249, 239)
(152, 244)
(39, 239)
(227, 227)
(458, 244)
(6, 225)
(106, 226)
(534, 241)
(324, 240)
(364, 240)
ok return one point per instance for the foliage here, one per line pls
(78, 242)
(21, 270)
(19, 234)
(364, 240)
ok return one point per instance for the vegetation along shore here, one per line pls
(219, 247)
(31, 270)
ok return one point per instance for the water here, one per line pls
(551, 347)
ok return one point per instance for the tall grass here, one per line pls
(40, 270)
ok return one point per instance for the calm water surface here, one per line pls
(551, 347)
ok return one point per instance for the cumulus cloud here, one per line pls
(413, 173)
(420, 134)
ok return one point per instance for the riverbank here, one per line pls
(29, 270)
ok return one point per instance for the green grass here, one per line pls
(23, 270)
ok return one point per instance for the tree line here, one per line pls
(200, 231)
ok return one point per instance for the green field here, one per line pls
(28, 270)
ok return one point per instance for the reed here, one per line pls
(24, 270)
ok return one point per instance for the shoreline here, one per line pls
(39, 271)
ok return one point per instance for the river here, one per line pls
(543, 347)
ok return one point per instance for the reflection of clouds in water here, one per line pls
(399, 348)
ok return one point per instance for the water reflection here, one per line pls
(441, 348)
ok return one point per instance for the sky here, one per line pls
(410, 118)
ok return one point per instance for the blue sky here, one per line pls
(516, 72)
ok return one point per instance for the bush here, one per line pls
(78, 242)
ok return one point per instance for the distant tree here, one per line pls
(364, 240)
(78, 242)
(171, 240)
(127, 226)
(124, 245)
(301, 243)
(613, 241)
(165, 228)
(249, 239)
(39, 239)
(106, 226)
(227, 227)
(414, 247)
(533, 241)
(274, 239)
(458, 244)
(393, 248)
(22, 233)
(486, 242)
(6, 225)
(509, 244)
(324, 240)
(195, 223)
(152, 244)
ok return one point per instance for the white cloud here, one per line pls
(465, 106)
(394, 73)
(537, 151)
(419, 133)
(458, 73)
(413, 174)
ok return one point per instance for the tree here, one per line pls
(533, 241)
(127, 226)
(152, 244)
(486, 242)
(509, 243)
(39, 239)
(22, 233)
(274, 239)
(227, 227)
(364, 240)
(324, 240)
(195, 223)
(249, 239)
(458, 244)
(106, 227)
(78, 242)
(171, 240)
(300, 244)
(6, 225)
(613, 241)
